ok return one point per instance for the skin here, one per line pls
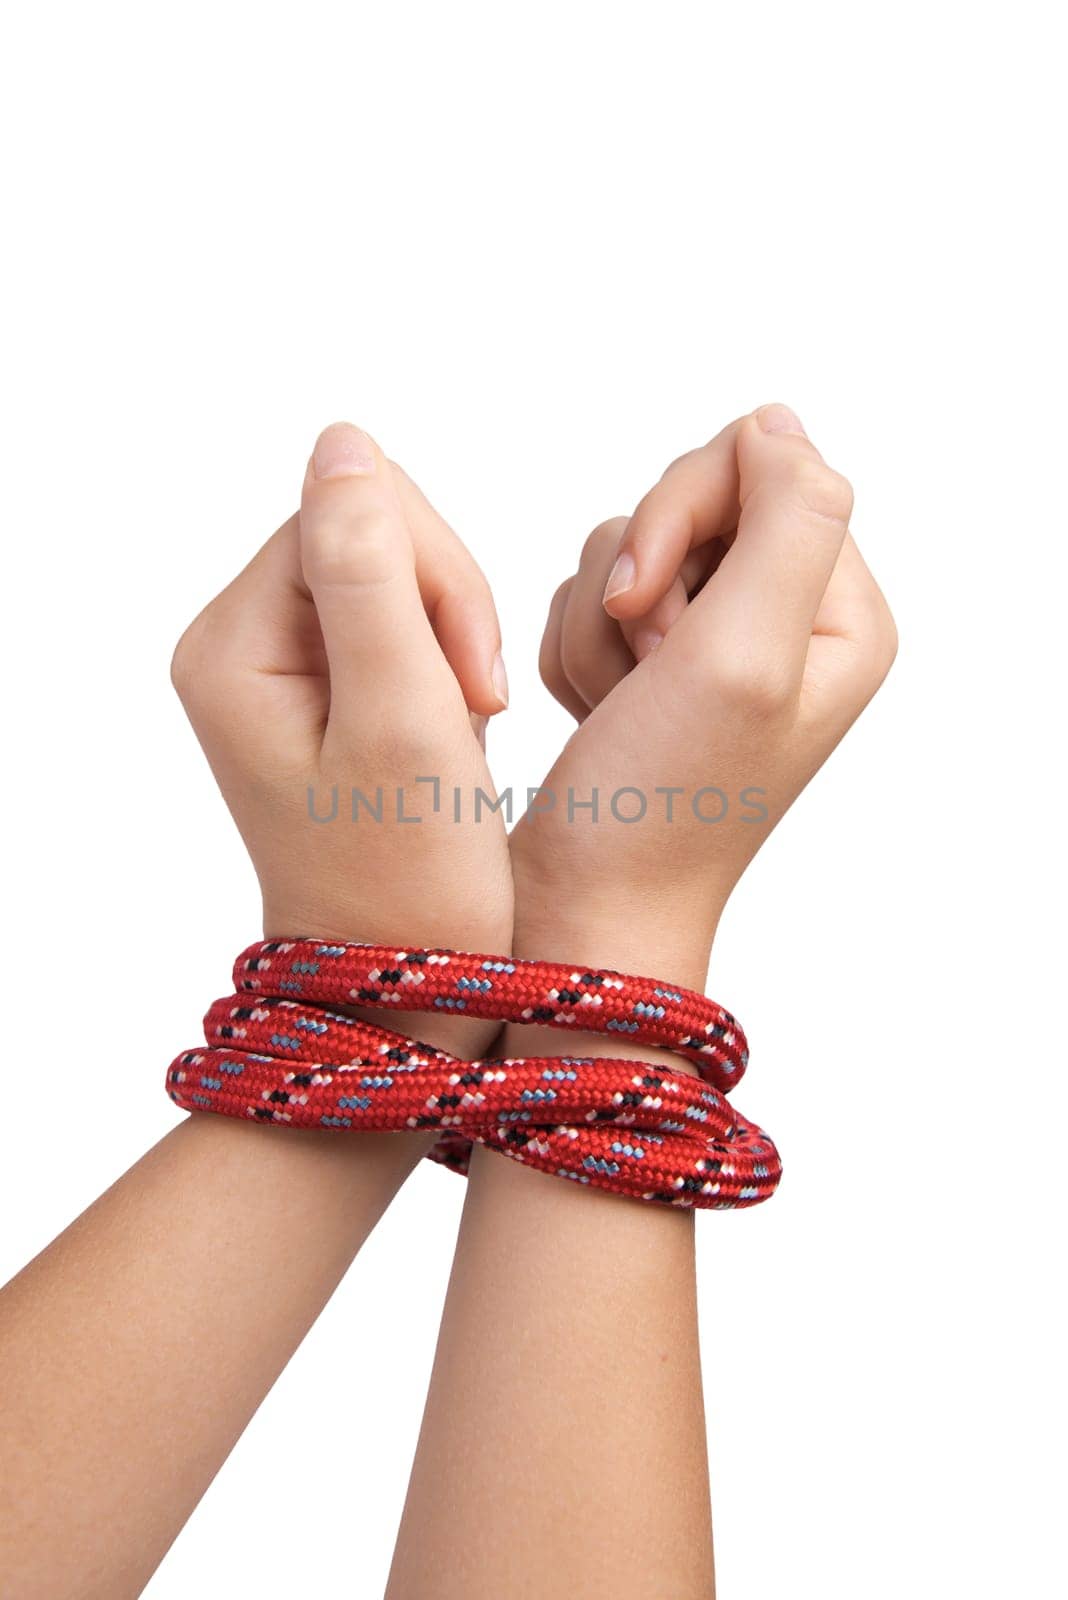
(325, 663)
(749, 637)
(785, 640)
(137, 1347)
(290, 678)
(563, 1446)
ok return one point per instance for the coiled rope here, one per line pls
(282, 1050)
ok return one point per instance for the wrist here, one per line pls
(637, 939)
(640, 938)
(452, 929)
(467, 1037)
(569, 909)
(525, 1039)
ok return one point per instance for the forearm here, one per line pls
(135, 1349)
(563, 1445)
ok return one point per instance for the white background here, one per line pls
(539, 252)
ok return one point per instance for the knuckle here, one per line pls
(676, 462)
(188, 660)
(583, 669)
(550, 667)
(761, 689)
(572, 657)
(553, 679)
(870, 636)
(767, 695)
(880, 637)
(352, 550)
(605, 536)
(820, 491)
(560, 594)
(411, 744)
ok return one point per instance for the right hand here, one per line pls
(359, 650)
(749, 639)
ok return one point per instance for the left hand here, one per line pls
(747, 635)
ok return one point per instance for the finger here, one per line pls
(695, 501)
(851, 597)
(254, 619)
(853, 644)
(593, 652)
(550, 665)
(592, 656)
(359, 564)
(757, 613)
(458, 600)
(259, 637)
(646, 632)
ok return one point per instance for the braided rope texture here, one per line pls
(282, 1050)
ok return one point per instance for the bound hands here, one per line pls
(720, 640)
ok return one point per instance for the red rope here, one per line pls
(281, 1050)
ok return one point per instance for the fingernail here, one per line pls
(779, 419)
(500, 679)
(622, 576)
(342, 451)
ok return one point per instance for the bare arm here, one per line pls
(563, 1444)
(135, 1349)
(137, 1346)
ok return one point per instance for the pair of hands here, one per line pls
(713, 647)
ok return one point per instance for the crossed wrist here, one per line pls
(466, 1037)
(642, 939)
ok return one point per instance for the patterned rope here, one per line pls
(281, 1051)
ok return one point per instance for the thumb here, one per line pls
(359, 564)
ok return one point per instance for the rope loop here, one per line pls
(286, 1049)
